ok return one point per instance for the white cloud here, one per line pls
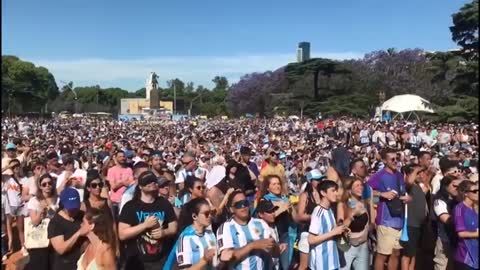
(131, 74)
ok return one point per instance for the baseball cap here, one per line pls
(265, 206)
(70, 198)
(244, 150)
(314, 174)
(156, 153)
(146, 178)
(11, 146)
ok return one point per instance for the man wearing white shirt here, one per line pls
(71, 177)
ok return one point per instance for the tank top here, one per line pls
(91, 266)
(104, 208)
(359, 229)
(309, 207)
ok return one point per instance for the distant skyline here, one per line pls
(118, 43)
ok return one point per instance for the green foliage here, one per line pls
(465, 29)
(25, 85)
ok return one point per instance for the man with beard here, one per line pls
(247, 173)
(146, 224)
(119, 177)
(157, 162)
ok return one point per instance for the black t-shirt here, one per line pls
(144, 246)
(60, 226)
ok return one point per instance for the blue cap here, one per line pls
(11, 146)
(314, 174)
(70, 198)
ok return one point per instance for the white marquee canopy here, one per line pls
(407, 103)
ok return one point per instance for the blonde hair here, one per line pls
(348, 182)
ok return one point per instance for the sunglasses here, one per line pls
(200, 187)
(150, 182)
(164, 185)
(207, 214)
(186, 163)
(271, 211)
(95, 185)
(455, 186)
(39, 168)
(241, 204)
(45, 184)
(473, 191)
(274, 154)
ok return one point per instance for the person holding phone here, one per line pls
(323, 230)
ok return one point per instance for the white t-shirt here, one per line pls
(14, 193)
(436, 182)
(30, 183)
(78, 173)
(34, 204)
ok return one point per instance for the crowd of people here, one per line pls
(240, 194)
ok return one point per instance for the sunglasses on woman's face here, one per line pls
(241, 204)
(45, 184)
(200, 187)
(473, 191)
(164, 185)
(96, 185)
(207, 214)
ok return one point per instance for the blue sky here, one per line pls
(118, 43)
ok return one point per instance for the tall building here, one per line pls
(303, 51)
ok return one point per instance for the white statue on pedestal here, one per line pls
(151, 84)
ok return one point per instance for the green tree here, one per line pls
(465, 29)
(221, 83)
(26, 86)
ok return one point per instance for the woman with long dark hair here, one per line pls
(196, 248)
(444, 203)
(308, 200)
(92, 196)
(42, 206)
(100, 252)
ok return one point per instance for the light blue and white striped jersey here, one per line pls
(274, 263)
(233, 235)
(191, 249)
(323, 256)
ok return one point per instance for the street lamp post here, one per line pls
(191, 105)
(174, 98)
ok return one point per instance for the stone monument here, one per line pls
(151, 89)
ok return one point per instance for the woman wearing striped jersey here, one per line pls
(323, 230)
(197, 245)
(245, 242)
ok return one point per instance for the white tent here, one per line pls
(407, 103)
